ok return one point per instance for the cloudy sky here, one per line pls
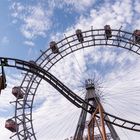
(28, 26)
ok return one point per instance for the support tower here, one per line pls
(93, 98)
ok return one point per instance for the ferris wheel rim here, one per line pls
(106, 43)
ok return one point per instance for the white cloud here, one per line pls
(117, 14)
(79, 5)
(29, 43)
(4, 40)
(18, 8)
(36, 23)
(36, 19)
(137, 6)
(137, 24)
(52, 113)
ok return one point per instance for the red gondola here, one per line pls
(3, 84)
(11, 125)
(16, 91)
(108, 31)
(54, 47)
(136, 34)
(79, 35)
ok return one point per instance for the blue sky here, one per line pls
(27, 26)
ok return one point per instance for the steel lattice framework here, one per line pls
(35, 73)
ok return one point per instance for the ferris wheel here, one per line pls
(92, 65)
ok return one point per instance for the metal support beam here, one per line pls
(99, 110)
(81, 124)
(112, 130)
(90, 96)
